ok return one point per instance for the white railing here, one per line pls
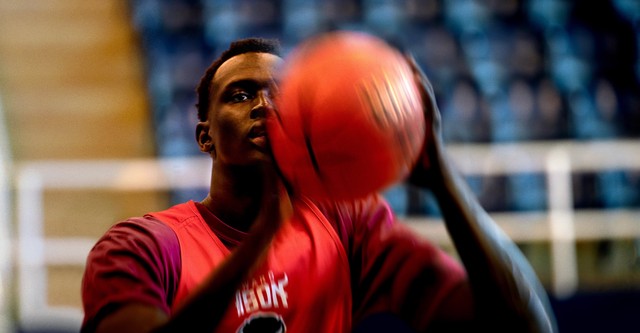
(6, 254)
(557, 225)
(37, 252)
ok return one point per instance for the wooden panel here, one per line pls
(80, 66)
(63, 286)
(64, 22)
(72, 80)
(78, 140)
(81, 100)
(89, 213)
(71, 48)
(72, 86)
(67, 8)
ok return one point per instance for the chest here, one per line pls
(303, 280)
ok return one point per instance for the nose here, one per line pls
(262, 106)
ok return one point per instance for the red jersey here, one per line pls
(331, 266)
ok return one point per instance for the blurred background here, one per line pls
(540, 102)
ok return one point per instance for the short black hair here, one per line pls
(241, 46)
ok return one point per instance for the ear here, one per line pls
(205, 142)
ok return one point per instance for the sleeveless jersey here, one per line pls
(305, 261)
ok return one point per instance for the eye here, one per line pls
(239, 96)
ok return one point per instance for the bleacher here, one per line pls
(504, 71)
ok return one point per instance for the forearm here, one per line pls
(504, 285)
(204, 309)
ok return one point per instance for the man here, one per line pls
(254, 257)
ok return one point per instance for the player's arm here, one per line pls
(130, 277)
(506, 294)
(203, 311)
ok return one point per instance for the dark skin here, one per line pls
(235, 137)
(505, 291)
(248, 193)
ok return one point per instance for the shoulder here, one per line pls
(356, 216)
(136, 261)
(140, 240)
(373, 207)
(152, 230)
(139, 231)
(369, 205)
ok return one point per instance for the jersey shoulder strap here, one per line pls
(200, 248)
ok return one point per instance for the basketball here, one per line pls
(349, 118)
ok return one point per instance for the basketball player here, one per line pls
(254, 257)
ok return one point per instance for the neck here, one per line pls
(235, 195)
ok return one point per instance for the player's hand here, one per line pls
(423, 171)
(275, 208)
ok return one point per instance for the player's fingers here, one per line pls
(432, 113)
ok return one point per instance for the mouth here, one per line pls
(258, 135)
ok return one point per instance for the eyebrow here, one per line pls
(249, 83)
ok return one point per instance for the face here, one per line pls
(242, 96)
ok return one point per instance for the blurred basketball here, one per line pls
(350, 119)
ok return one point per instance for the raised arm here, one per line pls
(506, 293)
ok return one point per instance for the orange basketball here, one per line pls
(350, 120)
